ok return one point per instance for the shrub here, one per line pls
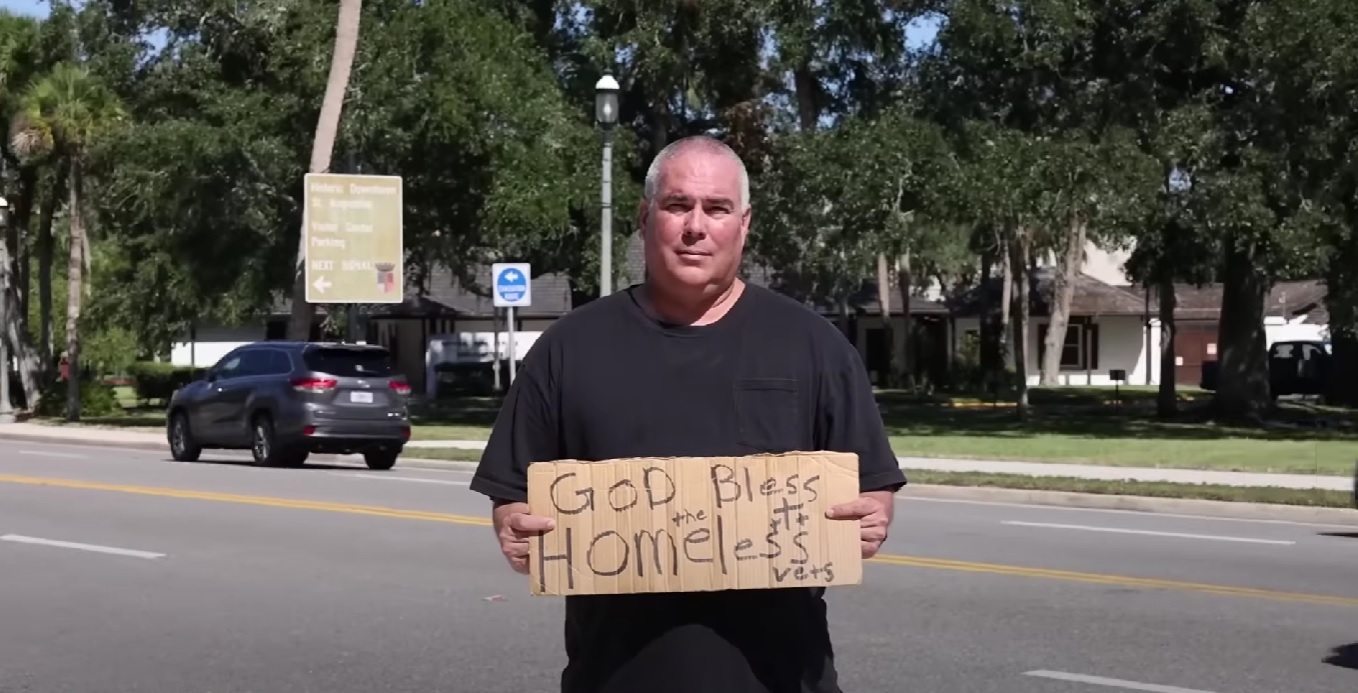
(158, 381)
(96, 399)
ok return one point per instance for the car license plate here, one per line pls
(361, 397)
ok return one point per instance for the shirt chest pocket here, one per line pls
(768, 415)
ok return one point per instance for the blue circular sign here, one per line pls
(511, 284)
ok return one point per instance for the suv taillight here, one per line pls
(400, 387)
(314, 385)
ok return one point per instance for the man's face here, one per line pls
(694, 228)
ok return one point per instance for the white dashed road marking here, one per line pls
(94, 548)
(1149, 533)
(1112, 683)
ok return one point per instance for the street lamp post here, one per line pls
(6, 410)
(606, 114)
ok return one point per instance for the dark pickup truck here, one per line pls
(1299, 367)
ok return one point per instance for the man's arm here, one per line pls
(848, 420)
(525, 432)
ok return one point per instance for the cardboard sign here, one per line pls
(693, 524)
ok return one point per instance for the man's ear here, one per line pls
(745, 224)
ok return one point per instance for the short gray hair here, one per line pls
(703, 143)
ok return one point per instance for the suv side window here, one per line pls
(256, 363)
(280, 363)
(229, 366)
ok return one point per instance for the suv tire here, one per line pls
(381, 459)
(183, 448)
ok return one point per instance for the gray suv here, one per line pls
(286, 400)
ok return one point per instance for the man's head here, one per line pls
(694, 216)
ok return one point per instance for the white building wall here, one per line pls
(1122, 346)
(211, 344)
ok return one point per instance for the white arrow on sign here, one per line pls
(321, 284)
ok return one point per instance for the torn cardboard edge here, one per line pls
(694, 524)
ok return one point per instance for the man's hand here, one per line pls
(514, 526)
(873, 510)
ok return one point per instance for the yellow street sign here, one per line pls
(355, 244)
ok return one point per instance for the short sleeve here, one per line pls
(848, 420)
(525, 430)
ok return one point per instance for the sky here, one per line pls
(36, 8)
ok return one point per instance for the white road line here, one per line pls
(430, 470)
(1146, 532)
(1117, 511)
(62, 455)
(133, 553)
(411, 479)
(1112, 683)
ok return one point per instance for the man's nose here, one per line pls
(695, 222)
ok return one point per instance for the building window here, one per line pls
(1080, 351)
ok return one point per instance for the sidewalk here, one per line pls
(115, 437)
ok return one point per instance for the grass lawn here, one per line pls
(1076, 425)
(1126, 441)
(1283, 496)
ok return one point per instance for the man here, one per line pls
(693, 362)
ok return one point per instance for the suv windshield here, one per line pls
(349, 362)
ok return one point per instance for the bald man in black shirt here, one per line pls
(693, 362)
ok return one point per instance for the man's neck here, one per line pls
(696, 313)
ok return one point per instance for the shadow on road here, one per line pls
(1345, 656)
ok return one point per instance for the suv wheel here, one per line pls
(381, 459)
(262, 447)
(183, 448)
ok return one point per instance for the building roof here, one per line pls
(1290, 300)
(1092, 297)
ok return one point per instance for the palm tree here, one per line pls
(322, 147)
(64, 114)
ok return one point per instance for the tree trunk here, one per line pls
(905, 354)
(74, 292)
(1242, 377)
(1341, 301)
(16, 332)
(989, 353)
(1167, 401)
(322, 148)
(807, 88)
(29, 192)
(1006, 300)
(884, 301)
(1018, 263)
(1063, 292)
(45, 243)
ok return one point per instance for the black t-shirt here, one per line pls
(609, 381)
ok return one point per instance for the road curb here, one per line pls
(53, 440)
(1148, 504)
(165, 447)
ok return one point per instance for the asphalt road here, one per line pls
(224, 578)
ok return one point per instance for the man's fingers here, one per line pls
(854, 509)
(875, 533)
(520, 522)
(870, 548)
